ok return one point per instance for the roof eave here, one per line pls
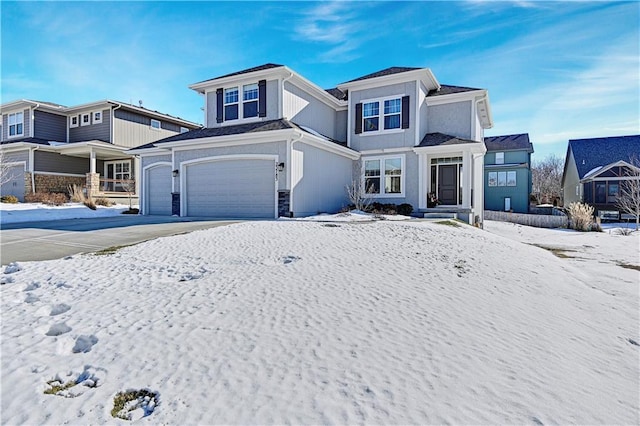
(201, 87)
(412, 75)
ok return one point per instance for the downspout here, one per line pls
(32, 168)
(284, 80)
(289, 168)
(113, 120)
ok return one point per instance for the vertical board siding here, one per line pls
(132, 130)
(52, 127)
(304, 109)
(101, 131)
(451, 119)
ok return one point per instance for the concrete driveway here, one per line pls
(55, 239)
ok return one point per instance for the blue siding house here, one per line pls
(507, 173)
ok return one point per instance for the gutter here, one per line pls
(288, 165)
(113, 120)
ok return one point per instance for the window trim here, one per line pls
(225, 103)
(16, 124)
(153, 120)
(382, 158)
(71, 125)
(93, 117)
(82, 117)
(381, 116)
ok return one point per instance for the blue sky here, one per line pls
(555, 70)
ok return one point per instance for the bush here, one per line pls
(76, 194)
(581, 216)
(49, 198)
(405, 209)
(101, 201)
(11, 199)
(90, 203)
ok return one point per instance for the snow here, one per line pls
(32, 212)
(330, 321)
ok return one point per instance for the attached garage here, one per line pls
(15, 183)
(158, 189)
(234, 186)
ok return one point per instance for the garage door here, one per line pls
(158, 183)
(15, 182)
(231, 189)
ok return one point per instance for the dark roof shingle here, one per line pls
(508, 142)
(37, 141)
(439, 139)
(337, 93)
(246, 71)
(449, 90)
(595, 152)
(384, 72)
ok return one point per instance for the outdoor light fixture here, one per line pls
(175, 173)
(280, 167)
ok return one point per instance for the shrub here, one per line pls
(581, 216)
(49, 198)
(11, 199)
(405, 209)
(76, 194)
(90, 203)
(101, 201)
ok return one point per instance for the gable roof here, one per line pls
(336, 93)
(382, 73)
(440, 139)
(255, 127)
(595, 152)
(245, 71)
(508, 142)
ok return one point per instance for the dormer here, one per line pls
(270, 92)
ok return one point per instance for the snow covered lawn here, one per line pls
(303, 322)
(31, 212)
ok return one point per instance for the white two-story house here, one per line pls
(275, 144)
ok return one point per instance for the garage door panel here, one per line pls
(159, 190)
(15, 184)
(231, 188)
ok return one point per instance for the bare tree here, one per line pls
(547, 179)
(129, 186)
(628, 200)
(356, 190)
(5, 169)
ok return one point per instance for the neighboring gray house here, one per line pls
(276, 144)
(595, 168)
(51, 146)
(507, 169)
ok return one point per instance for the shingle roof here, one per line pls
(448, 90)
(384, 72)
(260, 126)
(591, 153)
(438, 139)
(508, 142)
(27, 140)
(337, 93)
(246, 71)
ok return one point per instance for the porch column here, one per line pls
(92, 161)
(423, 168)
(466, 179)
(478, 186)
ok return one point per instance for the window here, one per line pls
(370, 115)
(511, 178)
(502, 178)
(499, 157)
(16, 124)
(383, 176)
(250, 100)
(118, 174)
(392, 110)
(97, 117)
(73, 121)
(493, 178)
(85, 120)
(612, 192)
(155, 124)
(231, 103)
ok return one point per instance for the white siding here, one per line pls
(451, 119)
(304, 109)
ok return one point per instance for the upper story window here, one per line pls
(85, 119)
(97, 117)
(502, 178)
(241, 102)
(73, 121)
(381, 115)
(16, 124)
(499, 157)
(231, 103)
(155, 124)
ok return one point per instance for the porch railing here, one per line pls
(118, 185)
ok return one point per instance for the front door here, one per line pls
(448, 184)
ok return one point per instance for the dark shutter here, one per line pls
(262, 98)
(358, 118)
(405, 112)
(219, 106)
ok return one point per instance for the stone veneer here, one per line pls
(52, 183)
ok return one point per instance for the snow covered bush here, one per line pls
(11, 199)
(580, 216)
